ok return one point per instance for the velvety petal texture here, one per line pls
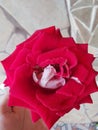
(50, 75)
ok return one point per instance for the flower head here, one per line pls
(50, 75)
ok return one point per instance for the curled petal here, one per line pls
(76, 79)
(49, 79)
(56, 83)
(48, 74)
(63, 53)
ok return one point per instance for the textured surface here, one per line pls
(63, 126)
(37, 13)
(19, 19)
(84, 17)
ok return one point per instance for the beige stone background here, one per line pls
(77, 18)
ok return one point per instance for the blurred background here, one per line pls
(76, 18)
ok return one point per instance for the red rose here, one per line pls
(50, 75)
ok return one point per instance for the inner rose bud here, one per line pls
(50, 77)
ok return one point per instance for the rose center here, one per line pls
(51, 77)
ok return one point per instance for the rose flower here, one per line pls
(50, 75)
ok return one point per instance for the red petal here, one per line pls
(72, 88)
(15, 101)
(37, 34)
(67, 42)
(83, 47)
(35, 116)
(20, 59)
(90, 83)
(57, 53)
(83, 58)
(9, 60)
(85, 99)
(22, 81)
(91, 88)
(81, 72)
(55, 102)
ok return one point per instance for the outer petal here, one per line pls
(83, 58)
(16, 101)
(22, 81)
(67, 42)
(37, 34)
(35, 116)
(13, 101)
(81, 72)
(9, 60)
(90, 83)
(20, 59)
(54, 101)
(85, 99)
(83, 47)
(72, 88)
